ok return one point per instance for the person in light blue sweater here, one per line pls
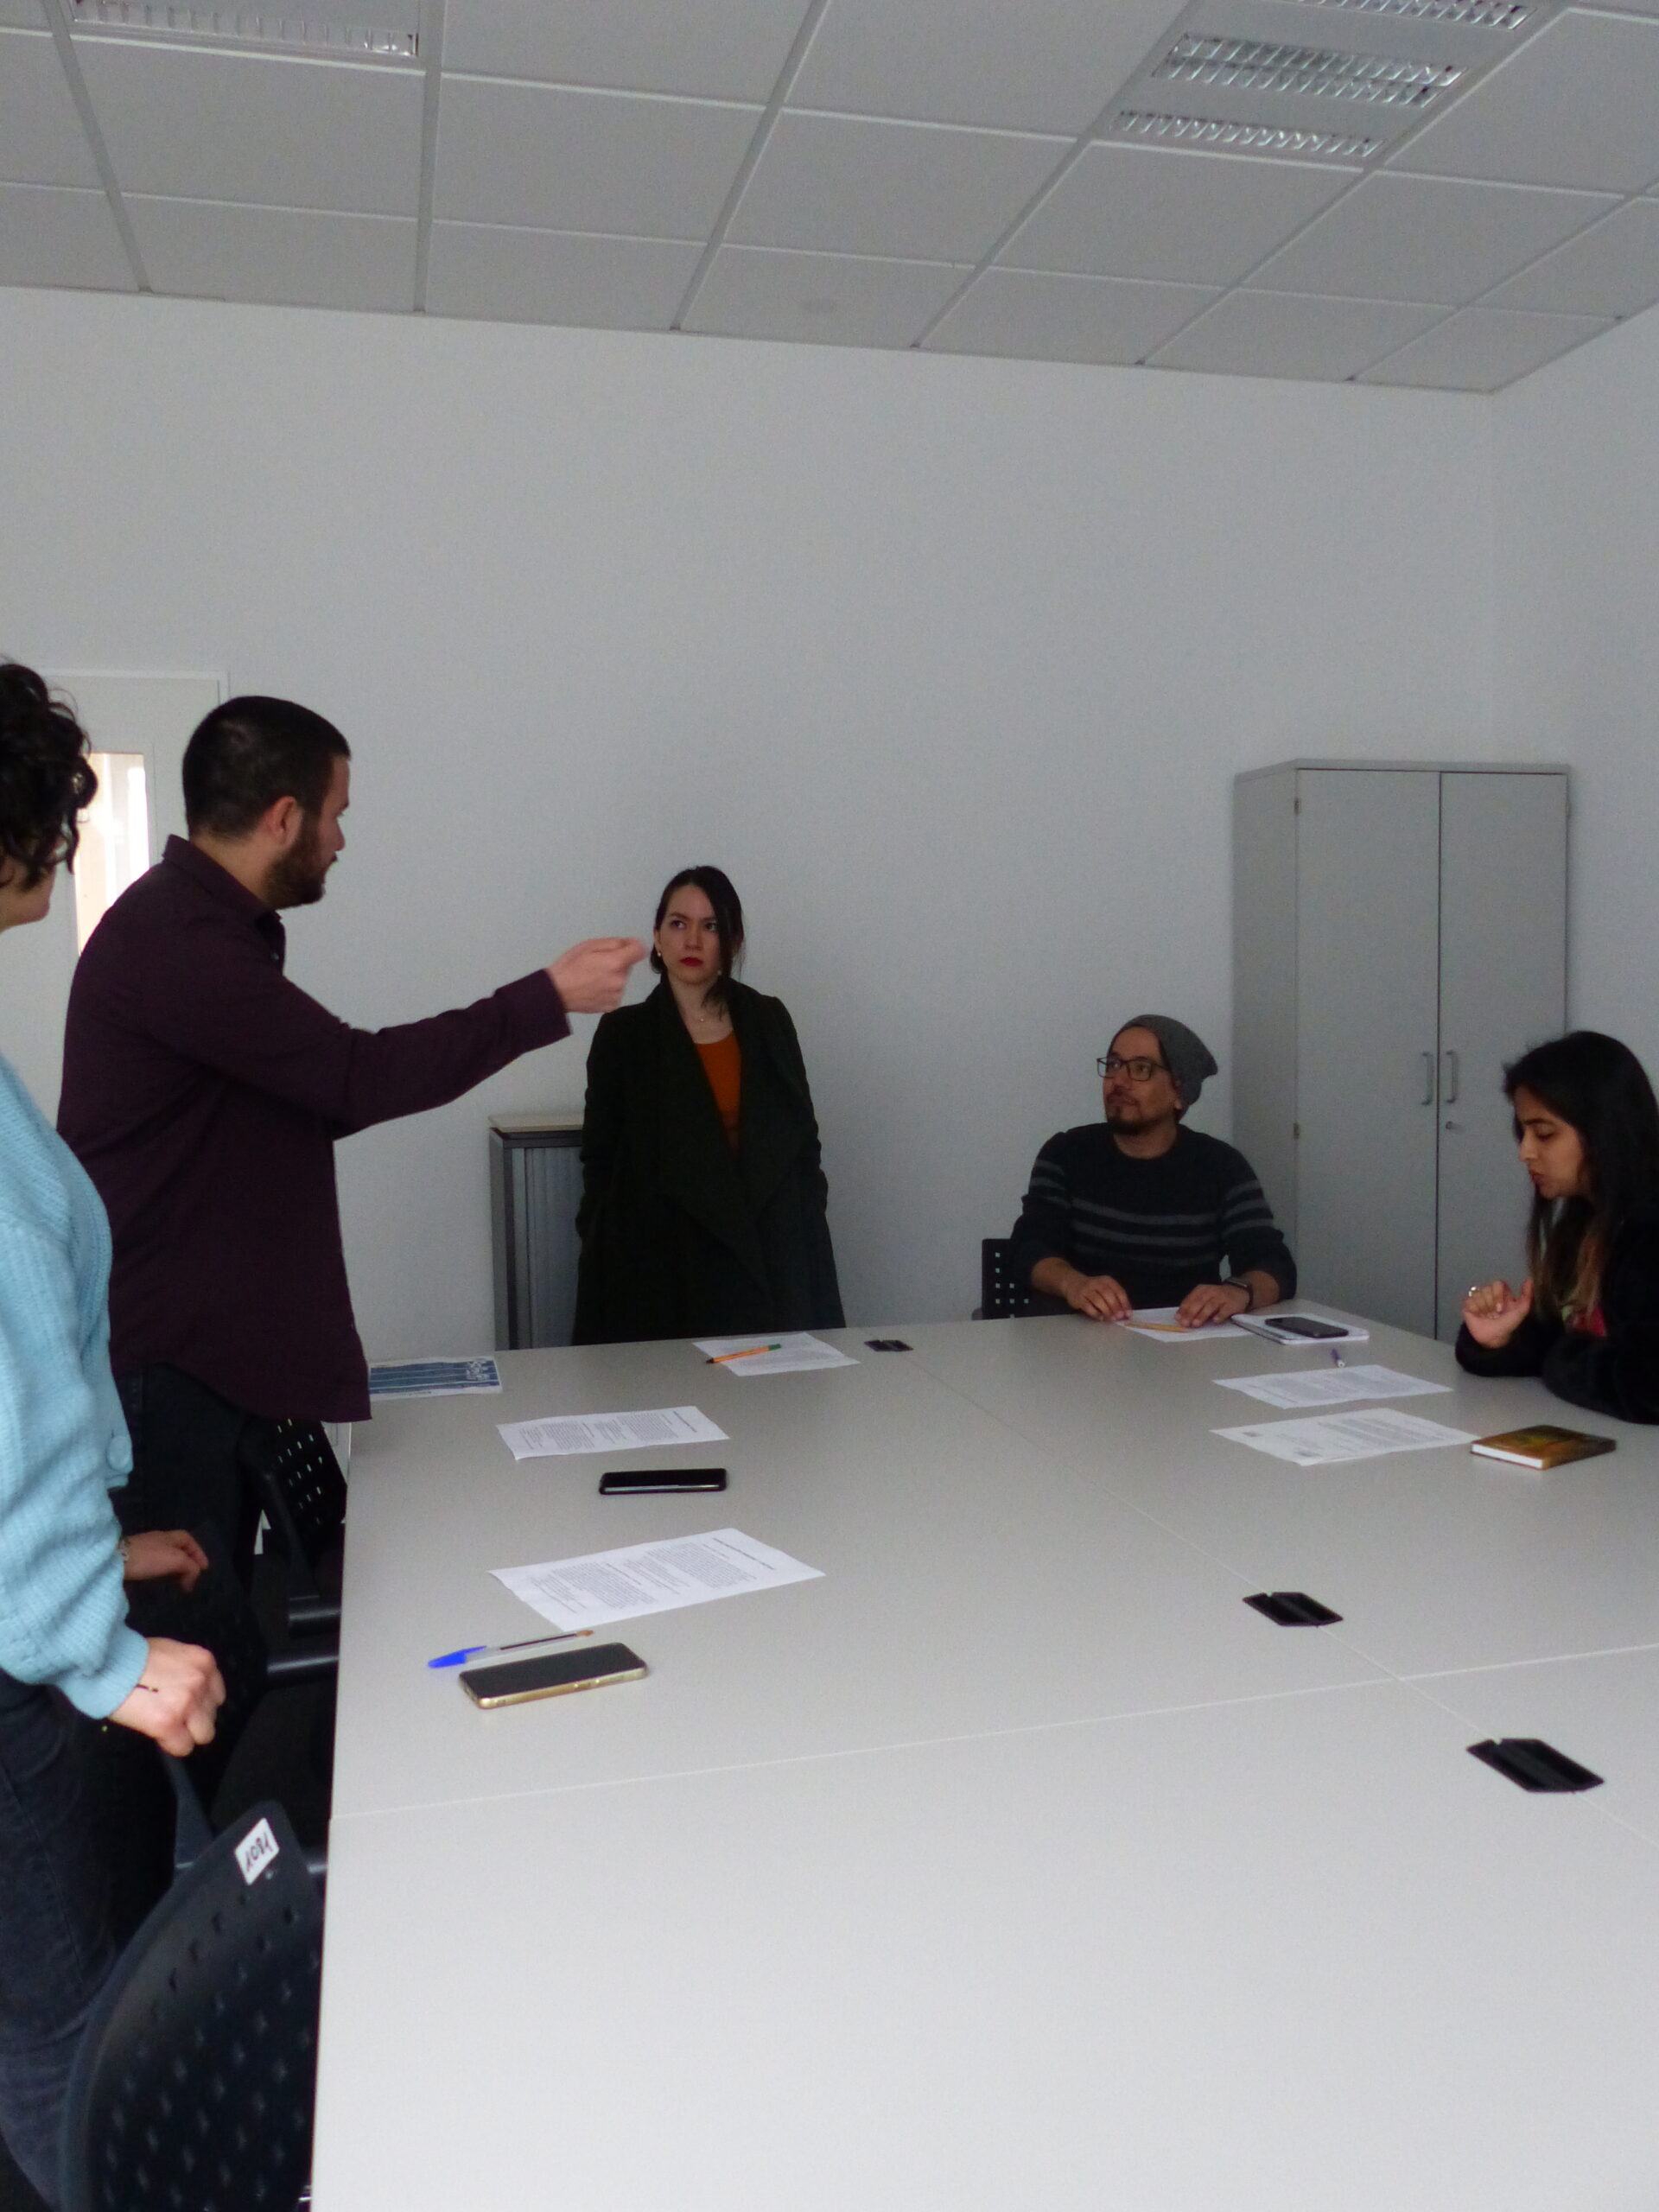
(68, 1656)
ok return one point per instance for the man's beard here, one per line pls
(297, 879)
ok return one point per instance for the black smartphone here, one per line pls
(551, 1674)
(648, 1481)
(1302, 1324)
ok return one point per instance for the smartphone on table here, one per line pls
(552, 1674)
(651, 1482)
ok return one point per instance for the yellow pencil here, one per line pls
(720, 1358)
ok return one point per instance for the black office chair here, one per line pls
(1002, 1297)
(303, 1494)
(194, 2086)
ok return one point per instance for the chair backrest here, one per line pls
(196, 2078)
(1001, 1297)
(303, 1492)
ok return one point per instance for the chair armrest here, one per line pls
(312, 1615)
(308, 1664)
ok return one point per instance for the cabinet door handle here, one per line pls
(1451, 1096)
(1427, 1099)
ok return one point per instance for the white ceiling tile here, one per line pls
(1285, 335)
(722, 49)
(289, 256)
(50, 235)
(261, 129)
(528, 156)
(1433, 239)
(827, 299)
(1036, 316)
(1483, 348)
(507, 275)
(1043, 65)
(40, 138)
(1613, 269)
(911, 191)
(1577, 104)
(1186, 218)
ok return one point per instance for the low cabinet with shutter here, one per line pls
(1399, 934)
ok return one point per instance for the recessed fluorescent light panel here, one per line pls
(1480, 15)
(1252, 65)
(1241, 137)
(1242, 76)
(307, 28)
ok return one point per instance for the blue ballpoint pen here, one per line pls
(494, 1650)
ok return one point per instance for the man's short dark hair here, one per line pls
(250, 752)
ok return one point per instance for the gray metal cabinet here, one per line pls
(535, 1189)
(1400, 932)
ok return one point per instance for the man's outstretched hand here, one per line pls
(592, 976)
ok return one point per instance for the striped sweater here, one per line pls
(1159, 1227)
(63, 1443)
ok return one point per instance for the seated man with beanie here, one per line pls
(1143, 1211)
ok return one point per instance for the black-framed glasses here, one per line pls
(1137, 1069)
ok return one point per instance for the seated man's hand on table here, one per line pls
(1098, 1297)
(1210, 1302)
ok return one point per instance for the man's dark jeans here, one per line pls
(192, 1450)
(56, 1944)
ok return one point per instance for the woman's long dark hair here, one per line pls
(45, 781)
(1599, 1088)
(718, 889)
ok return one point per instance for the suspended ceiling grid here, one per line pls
(1442, 192)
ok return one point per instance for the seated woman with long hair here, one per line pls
(1586, 1316)
(703, 1196)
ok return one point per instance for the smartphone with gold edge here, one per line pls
(554, 1674)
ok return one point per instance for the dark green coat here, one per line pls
(680, 1236)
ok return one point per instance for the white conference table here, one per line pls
(1015, 1861)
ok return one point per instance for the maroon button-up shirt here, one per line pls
(203, 1093)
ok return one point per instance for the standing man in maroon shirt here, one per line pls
(203, 1092)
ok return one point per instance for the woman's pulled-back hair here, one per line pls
(46, 780)
(1599, 1088)
(718, 890)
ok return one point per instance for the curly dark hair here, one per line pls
(46, 780)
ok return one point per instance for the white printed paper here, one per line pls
(1336, 1437)
(796, 1351)
(432, 1378)
(1159, 1322)
(657, 1578)
(557, 1435)
(1330, 1386)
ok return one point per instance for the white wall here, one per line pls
(950, 662)
(1576, 524)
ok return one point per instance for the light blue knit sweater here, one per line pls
(63, 1442)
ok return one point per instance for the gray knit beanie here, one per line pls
(1189, 1058)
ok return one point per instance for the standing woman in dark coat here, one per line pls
(703, 1207)
(1586, 1318)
